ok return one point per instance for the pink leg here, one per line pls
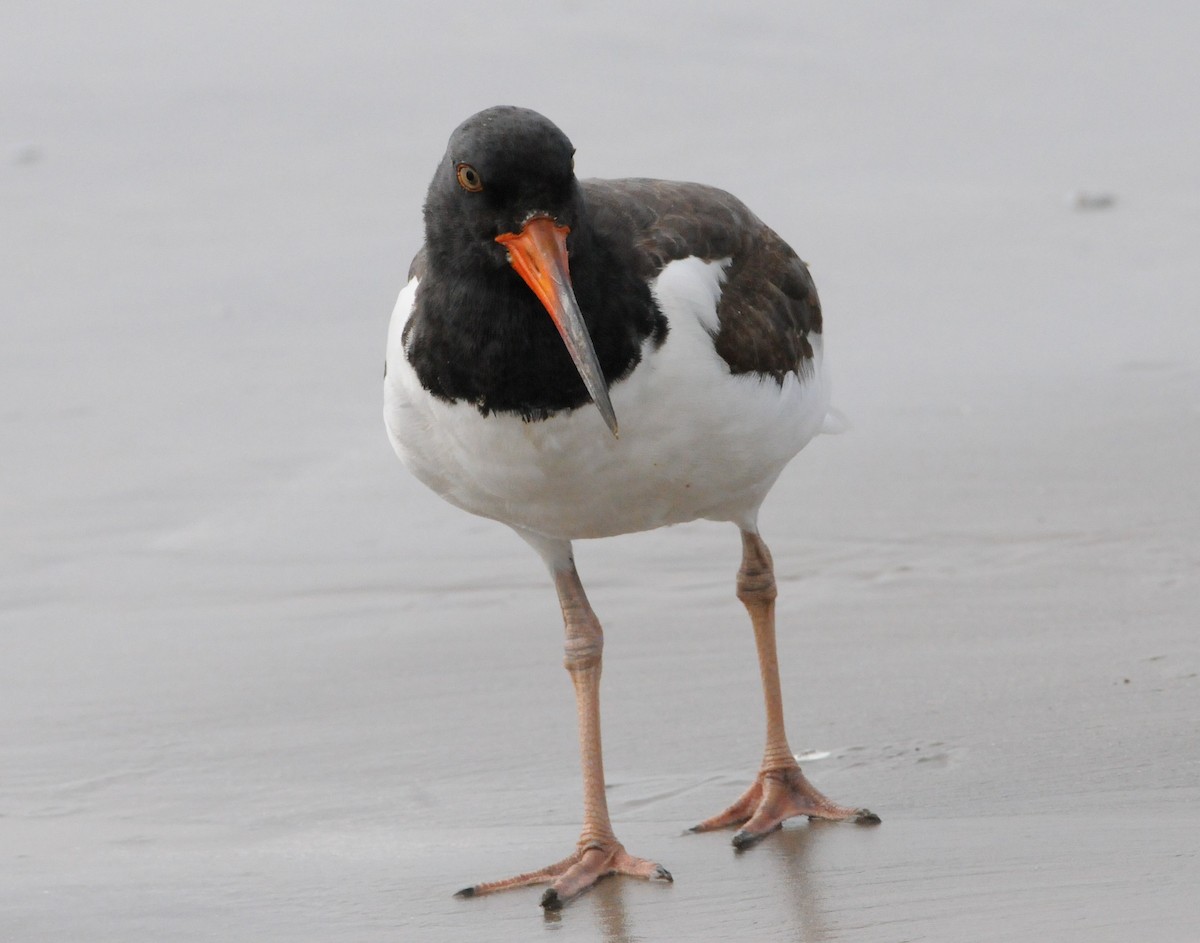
(598, 853)
(780, 790)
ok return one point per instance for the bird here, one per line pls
(578, 359)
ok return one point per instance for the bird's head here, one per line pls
(505, 195)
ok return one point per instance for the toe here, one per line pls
(576, 879)
(745, 837)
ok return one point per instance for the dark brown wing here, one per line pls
(768, 305)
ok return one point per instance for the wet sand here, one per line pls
(256, 684)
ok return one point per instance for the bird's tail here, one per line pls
(836, 422)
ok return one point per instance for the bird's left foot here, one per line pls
(779, 794)
(575, 874)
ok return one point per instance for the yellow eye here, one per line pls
(468, 178)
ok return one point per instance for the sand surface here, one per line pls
(257, 684)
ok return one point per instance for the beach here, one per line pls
(257, 683)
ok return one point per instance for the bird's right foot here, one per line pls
(575, 874)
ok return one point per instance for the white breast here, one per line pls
(696, 441)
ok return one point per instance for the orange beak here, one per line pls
(539, 255)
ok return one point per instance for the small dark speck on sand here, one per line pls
(1088, 201)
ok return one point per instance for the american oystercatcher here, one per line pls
(673, 309)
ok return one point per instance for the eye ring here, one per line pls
(468, 178)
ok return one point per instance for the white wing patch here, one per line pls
(694, 285)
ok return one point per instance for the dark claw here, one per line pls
(551, 900)
(867, 817)
(662, 874)
(744, 839)
(465, 892)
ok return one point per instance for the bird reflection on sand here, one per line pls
(607, 899)
(800, 880)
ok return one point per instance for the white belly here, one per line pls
(696, 441)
